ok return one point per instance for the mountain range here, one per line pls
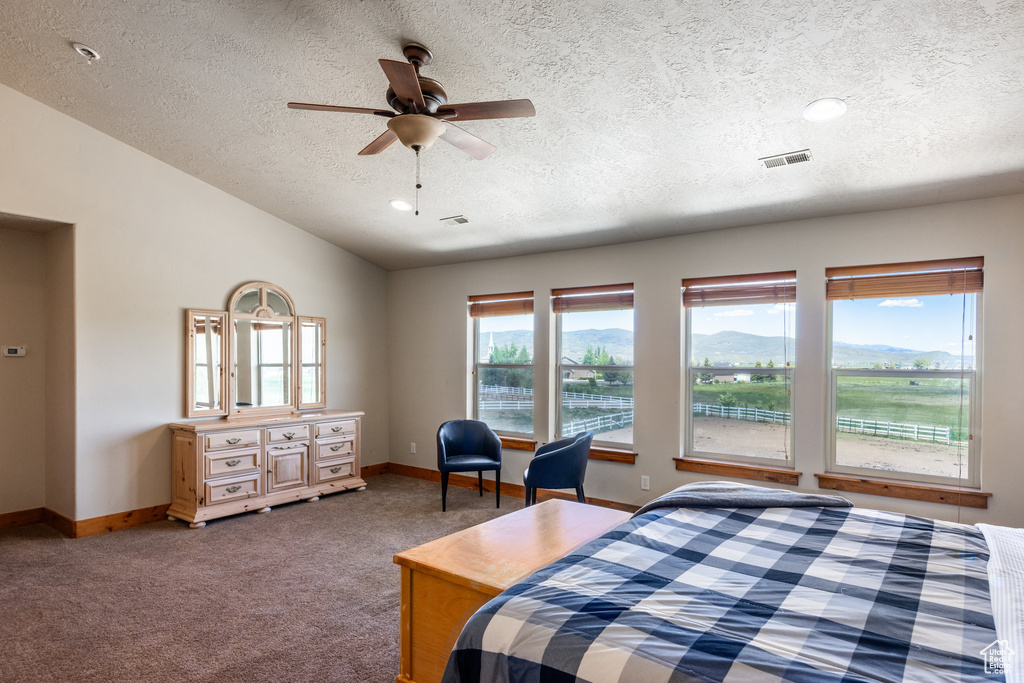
(735, 348)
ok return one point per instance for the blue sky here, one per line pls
(924, 323)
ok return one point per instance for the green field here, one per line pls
(885, 399)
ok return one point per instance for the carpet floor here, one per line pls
(307, 592)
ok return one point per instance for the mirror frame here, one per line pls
(227, 376)
(262, 312)
(190, 369)
(321, 401)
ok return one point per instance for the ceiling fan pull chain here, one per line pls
(417, 182)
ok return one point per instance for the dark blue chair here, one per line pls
(559, 465)
(468, 446)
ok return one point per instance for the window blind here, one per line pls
(513, 303)
(923, 278)
(735, 290)
(600, 298)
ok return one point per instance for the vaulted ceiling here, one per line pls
(651, 116)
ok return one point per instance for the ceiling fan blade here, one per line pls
(348, 110)
(405, 82)
(468, 143)
(380, 144)
(507, 109)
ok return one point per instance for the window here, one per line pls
(503, 361)
(739, 365)
(903, 364)
(594, 330)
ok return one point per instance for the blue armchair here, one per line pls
(467, 446)
(559, 465)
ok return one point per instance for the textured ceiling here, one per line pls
(650, 115)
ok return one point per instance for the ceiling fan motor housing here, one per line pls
(433, 94)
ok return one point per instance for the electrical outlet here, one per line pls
(645, 482)
(412, 447)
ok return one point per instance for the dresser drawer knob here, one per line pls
(335, 470)
(232, 489)
(232, 462)
(337, 429)
(289, 435)
(337, 448)
(234, 440)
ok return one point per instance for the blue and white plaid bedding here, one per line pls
(760, 594)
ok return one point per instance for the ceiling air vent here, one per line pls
(455, 220)
(786, 159)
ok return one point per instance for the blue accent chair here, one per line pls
(559, 465)
(467, 446)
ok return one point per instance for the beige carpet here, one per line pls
(307, 592)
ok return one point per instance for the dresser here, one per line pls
(228, 466)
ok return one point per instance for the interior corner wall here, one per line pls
(22, 379)
(60, 371)
(149, 242)
(428, 369)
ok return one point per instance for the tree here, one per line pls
(705, 377)
(922, 364)
(617, 376)
(589, 358)
(758, 377)
(770, 378)
(511, 353)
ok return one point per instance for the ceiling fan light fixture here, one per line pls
(400, 205)
(416, 131)
(825, 109)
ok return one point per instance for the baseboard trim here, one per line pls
(507, 489)
(12, 520)
(120, 520)
(374, 470)
(58, 522)
(123, 520)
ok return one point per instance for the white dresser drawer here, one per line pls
(239, 439)
(233, 489)
(288, 434)
(219, 464)
(336, 469)
(340, 428)
(329, 450)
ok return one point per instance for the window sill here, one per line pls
(971, 498)
(728, 469)
(613, 455)
(516, 443)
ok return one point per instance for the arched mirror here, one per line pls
(274, 359)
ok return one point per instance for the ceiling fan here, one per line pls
(423, 113)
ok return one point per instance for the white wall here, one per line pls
(151, 241)
(22, 380)
(427, 319)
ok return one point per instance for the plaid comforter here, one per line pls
(763, 594)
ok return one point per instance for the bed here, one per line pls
(741, 583)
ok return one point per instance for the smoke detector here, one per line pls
(786, 159)
(455, 220)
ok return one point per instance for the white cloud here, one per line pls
(779, 308)
(734, 313)
(902, 303)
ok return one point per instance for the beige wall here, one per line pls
(427, 318)
(22, 380)
(60, 371)
(149, 242)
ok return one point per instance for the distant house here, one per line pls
(575, 373)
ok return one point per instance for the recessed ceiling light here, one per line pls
(825, 109)
(400, 204)
(86, 51)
